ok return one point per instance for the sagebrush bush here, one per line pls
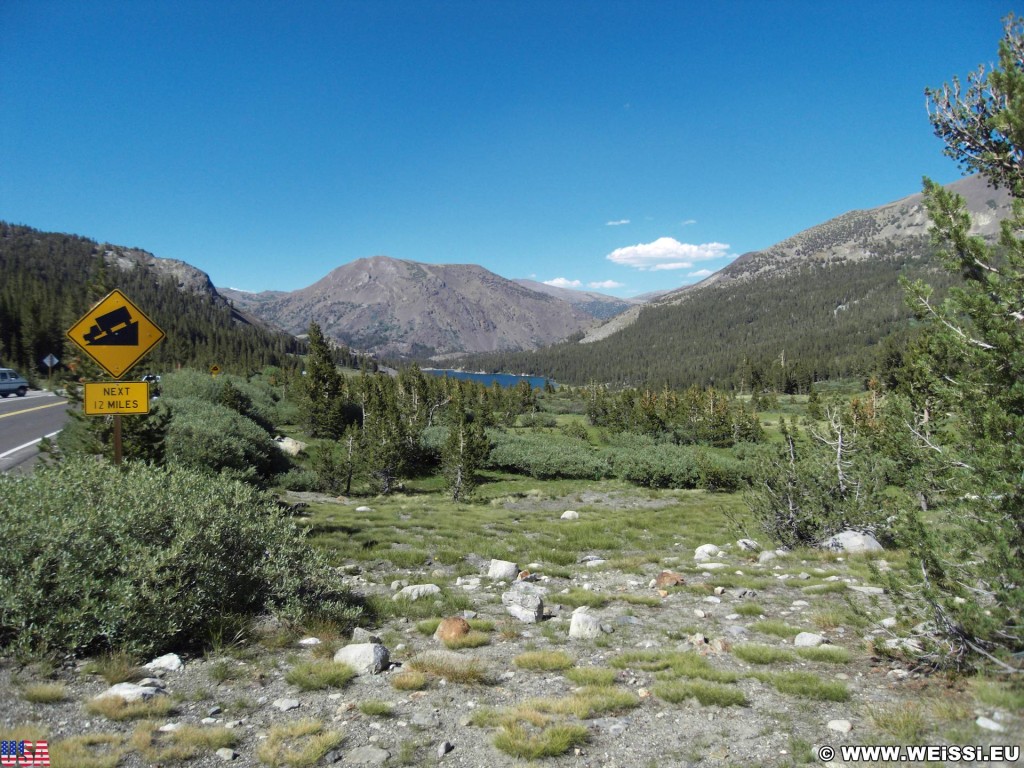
(146, 559)
(254, 398)
(546, 456)
(210, 437)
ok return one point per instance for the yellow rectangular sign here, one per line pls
(107, 397)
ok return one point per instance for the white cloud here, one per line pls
(605, 284)
(688, 222)
(616, 223)
(701, 273)
(561, 282)
(666, 253)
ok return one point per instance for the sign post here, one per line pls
(116, 334)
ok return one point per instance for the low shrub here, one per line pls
(547, 456)
(146, 559)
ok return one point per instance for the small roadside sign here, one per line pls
(215, 369)
(116, 334)
(49, 361)
(113, 397)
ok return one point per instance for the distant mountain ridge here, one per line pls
(816, 305)
(395, 307)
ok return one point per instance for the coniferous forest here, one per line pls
(51, 280)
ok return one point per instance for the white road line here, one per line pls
(5, 454)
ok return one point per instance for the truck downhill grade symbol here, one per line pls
(101, 398)
(116, 334)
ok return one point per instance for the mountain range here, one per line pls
(816, 305)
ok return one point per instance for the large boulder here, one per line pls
(852, 543)
(365, 658)
(525, 602)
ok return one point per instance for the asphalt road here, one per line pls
(24, 421)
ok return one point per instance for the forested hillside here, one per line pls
(50, 280)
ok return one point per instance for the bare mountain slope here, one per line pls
(396, 307)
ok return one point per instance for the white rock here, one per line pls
(866, 590)
(713, 566)
(706, 552)
(416, 591)
(889, 622)
(748, 545)
(852, 542)
(364, 658)
(766, 556)
(290, 445)
(169, 727)
(570, 515)
(170, 662)
(285, 704)
(841, 726)
(309, 641)
(364, 509)
(595, 563)
(503, 570)
(584, 626)
(227, 755)
(525, 602)
(988, 725)
(808, 640)
(131, 692)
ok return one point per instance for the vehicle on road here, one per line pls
(12, 383)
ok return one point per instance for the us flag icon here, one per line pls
(24, 753)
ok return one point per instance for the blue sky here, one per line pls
(622, 146)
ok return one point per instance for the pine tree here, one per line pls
(968, 551)
(464, 450)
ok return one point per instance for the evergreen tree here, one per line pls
(970, 547)
(464, 450)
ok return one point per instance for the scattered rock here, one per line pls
(502, 570)
(748, 545)
(584, 625)
(227, 755)
(840, 726)
(444, 748)
(416, 591)
(989, 725)
(525, 602)
(852, 542)
(290, 445)
(668, 579)
(706, 552)
(309, 641)
(169, 662)
(570, 515)
(131, 692)
(364, 509)
(364, 658)
(766, 557)
(451, 628)
(286, 705)
(808, 640)
(360, 635)
(368, 755)
(866, 590)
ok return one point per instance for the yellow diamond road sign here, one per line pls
(116, 334)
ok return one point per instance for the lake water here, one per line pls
(487, 379)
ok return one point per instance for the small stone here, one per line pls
(227, 755)
(130, 692)
(368, 755)
(309, 642)
(208, 720)
(212, 711)
(169, 727)
(668, 579)
(808, 640)
(584, 626)
(766, 556)
(748, 545)
(988, 725)
(699, 613)
(712, 599)
(840, 726)
(866, 590)
(364, 509)
(570, 515)
(444, 748)
(852, 542)
(170, 662)
(525, 602)
(451, 628)
(889, 622)
(503, 570)
(364, 658)
(360, 635)
(706, 552)
(416, 591)
(286, 705)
